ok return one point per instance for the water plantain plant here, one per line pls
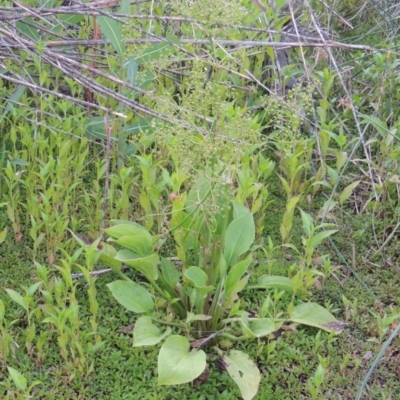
(214, 238)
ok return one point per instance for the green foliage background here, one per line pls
(92, 129)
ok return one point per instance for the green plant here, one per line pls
(127, 126)
(382, 325)
(315, 383)
(20, 383)
(351, 310)
(7, 343)
(27, 302)
(213, 235)
(12, 179)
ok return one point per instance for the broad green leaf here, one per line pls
(221, 219)
(147, 334)
(196, 317)
(326, 208)
(112, 30)
(320, 237)
(66, 20)
(124, 229)
(197, 276)
(107, 255)
(341, 158)
(199, 279)
(132, 296)
(19, 162)
(285, 185)
(198, 194)
(333, 175)
(26, 27)
(45, 3)
(33, 288)
(273, 282)
(131, 70)
(95, 128)
(239, 236)
(238, 287)
(347, 191)
(124, 8)
(63, 315)
(115, 222)
(176, 365)
(3, 235)
(148, 266)
(308, 224)
(127, 149)
(238, 209)
(156, 52)
(234, 275)
(244, 372)
(141, 244)
(194, 299)
(14, 98)
(221, 266)
(18, 379)
(312, 314)
(287, 221)
(143, 124)
(258, 328)
(125, 254)
(17, 298)
(379, 125)
(2, 310)
(169, 272)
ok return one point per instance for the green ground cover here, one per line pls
(250, 234)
